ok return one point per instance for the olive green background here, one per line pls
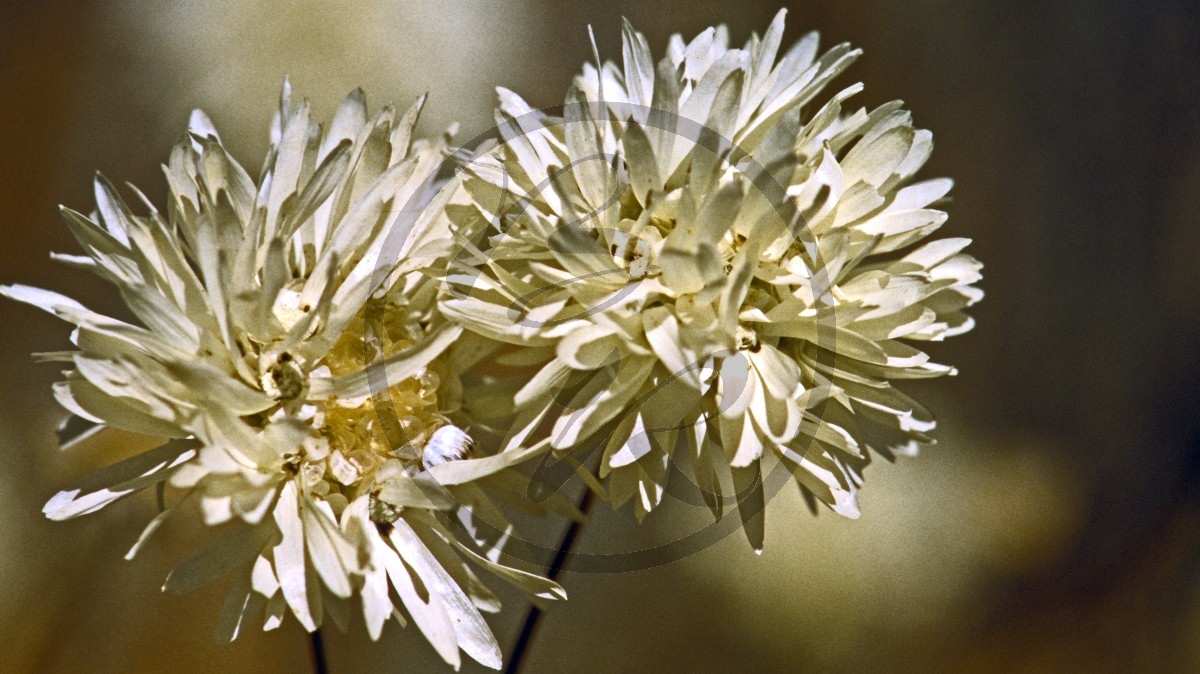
(1056, 527)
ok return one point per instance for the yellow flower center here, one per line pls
(352, 426)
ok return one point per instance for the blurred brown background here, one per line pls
(1056, 528)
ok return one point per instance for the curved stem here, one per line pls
(316, 648)
(534, 616)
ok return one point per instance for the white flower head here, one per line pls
(269, 312)
(711, 270)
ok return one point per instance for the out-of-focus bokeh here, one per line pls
(1056, 527)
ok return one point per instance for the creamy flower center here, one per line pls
(348, 452)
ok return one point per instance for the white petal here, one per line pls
(289, 556)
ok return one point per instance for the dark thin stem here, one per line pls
(316, 647)
(534, 617)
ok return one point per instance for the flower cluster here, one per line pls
(711, 272)
(267, 310)
(697, 267)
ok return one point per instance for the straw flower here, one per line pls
(717, 268)
(264, 329)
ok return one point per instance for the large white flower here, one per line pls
(261, 306)
(709, 270)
